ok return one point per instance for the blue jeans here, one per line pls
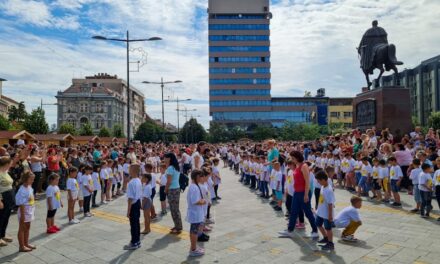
(363, 183)
(297, 205)
(358, 177)
(135, 227)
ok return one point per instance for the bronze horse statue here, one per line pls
(375, 53)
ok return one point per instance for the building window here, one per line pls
(99, 123)
(83, 121)
(348, 114)
(100, 108)
(335, 114)
(83, 108)
(72, 122)
(71, 108)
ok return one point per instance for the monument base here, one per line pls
(383, 107)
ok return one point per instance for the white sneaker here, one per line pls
(286, 233)
(314, 235)
(76, 221)
(196, 253)
(81, 209)
(72, 222)
(88, 215)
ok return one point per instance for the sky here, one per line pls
(44, 44)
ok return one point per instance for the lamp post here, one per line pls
(127, 40)
(1, 86)
(162, 85)
(177, 109)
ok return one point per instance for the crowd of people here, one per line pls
(375, 165)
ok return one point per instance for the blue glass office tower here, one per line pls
(239, 70)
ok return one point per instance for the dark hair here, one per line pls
(201, 143)
(425, 166)
(196, 173)
(53, 176)
(88, 167)
(73, 169)
(4, 161)
(401, 146)
(382, 162)
(416, 162)
(147, 176)
(355, 199)
(148, 166)
(297, 155)
(173, 160)
(321, 175)
(392, 159)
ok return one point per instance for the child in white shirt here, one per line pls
(72, 195)
(146, 202)
(325, 212)
(96, 185)
(396, 176)
(195, 213)
(414, 177)
(349, 219)
(53, 196)
(162, 194)
(25, 201)
(87, 189)
(134, 195)
(425, 188)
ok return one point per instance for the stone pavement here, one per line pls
(245, 232)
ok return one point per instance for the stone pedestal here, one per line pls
(383, 107)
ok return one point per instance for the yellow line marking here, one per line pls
(233, 249)
(124, 220)
(369, 259)
(319, 254)
(420, 262)
(275, 251)
(266, 238)
(389, 245)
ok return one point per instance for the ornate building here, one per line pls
(100, 100)
(5, 102)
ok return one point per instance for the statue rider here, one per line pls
(369, 44)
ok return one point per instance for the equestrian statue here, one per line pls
(375, 53)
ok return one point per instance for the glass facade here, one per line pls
(240, 16)
(240, 103)
(242, 92)
(239, 81)
(238, 48)
(238, 27)
(293, 116)
(241, 70)
(238, 38)
(238, 59)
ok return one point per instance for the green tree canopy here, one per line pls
(149, 132)
(302, 131)
(86, 130)
(4, 123)
(192, 132)
(118, 131)
(434, 120)
(67, 128)
(104, 132)
(17, 114)
(263, 132)
(35, 123)
(236, 133)
(218, 133)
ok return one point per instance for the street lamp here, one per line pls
(186, 110)
(162, 84)
(127, 40)
(177, 109)
(1, 85)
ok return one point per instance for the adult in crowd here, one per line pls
(404, 159)
(172, 189)
(7, 197)
(197, 157)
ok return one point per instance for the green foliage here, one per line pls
(4, 123)
(236, 133)
(415, 121)
(67, 128)
(263, 132)
(192, 132)
(17, 114)
(299, 131)
(118, 131)
(86, 130)
(218, 133)
(35, 123)
(104, 132)
(337, 128)
(149, 132)
(434, 120)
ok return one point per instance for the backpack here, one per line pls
(183, 181)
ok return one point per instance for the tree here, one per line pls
(263, 132)
(4, 123)
(67, 128)
(236, 133)
(217, 133)
(104, 132)
(337, 128)
(35, 123)
(192, 132)
(53, 128)
(299, 131)
(149, 132)
(434, 120)
(17, 114)
(86, 130)
(118, 131)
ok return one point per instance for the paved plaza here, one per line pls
(245, 232)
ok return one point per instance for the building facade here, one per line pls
(340, 111)
(100, 100)
(6, 102)
(423, 82)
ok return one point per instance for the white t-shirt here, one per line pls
(163, 180)
(437, 177)
(146, 191)
(96, 181)
(153, 181)
(134, 190)
(25, 196)
(289, 183)
(414, 176)
(327, 197)
(86, 181)
(195, 213)
(347, 214)
(396, 172)
(375, 172)
(104, 174)
(384, 172)
(53, 192)
(366, 170)
(425, 179)
(73, 186)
